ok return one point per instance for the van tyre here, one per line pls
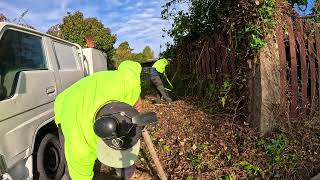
(50, 162)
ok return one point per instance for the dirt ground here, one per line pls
(193, 144)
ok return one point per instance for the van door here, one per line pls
(27, 92)
(68, 61)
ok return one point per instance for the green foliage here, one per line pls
(217, 156)
(257, 31)
(255, 37)
(205, 16)
(148, 53)
(229, 157)
(316, 9)
(3, 18)
(298, 2)
(195, 159)
(123, 52)
(275, 149)
(227, 177)
(165, 147)
(55, 31)
(252, 170)
(219, 93)
(75, 28)
(200, 18)
(139, 57)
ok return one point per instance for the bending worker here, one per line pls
(159, 68)
(76, 110)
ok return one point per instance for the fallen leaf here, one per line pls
(194, 147)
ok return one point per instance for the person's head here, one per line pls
(130, 67)
(130, 71)
(119, 127)
(169, 60)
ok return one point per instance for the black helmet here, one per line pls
(120, 126)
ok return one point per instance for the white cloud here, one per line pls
(117, 2)
(136, 21)
(9, 10)
(139, 4)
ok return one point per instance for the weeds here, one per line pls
(195, 159)
(252, 170)
(219, 93)
(275, 149)
(225, 177)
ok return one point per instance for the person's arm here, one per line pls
(138, 105)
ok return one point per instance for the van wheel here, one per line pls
(50, 162)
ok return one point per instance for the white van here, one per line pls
(34, 68)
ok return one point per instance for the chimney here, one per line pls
(89, 41)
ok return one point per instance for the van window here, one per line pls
(65, 55)
(18, 51)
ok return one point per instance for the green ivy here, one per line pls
(257, 31)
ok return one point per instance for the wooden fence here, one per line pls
(208, 61)
(299, 51)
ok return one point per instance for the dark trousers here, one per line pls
(161, 91)
(66, 175)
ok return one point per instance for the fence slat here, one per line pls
(311, 58)
(213, 59)
(294, 74)
(218, 58)
(224, 58)
(304, 75)
(208, 66)
(317, 38)
(283, 69)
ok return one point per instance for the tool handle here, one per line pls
(154, 155)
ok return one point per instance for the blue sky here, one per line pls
(306, 9)
(137, 21)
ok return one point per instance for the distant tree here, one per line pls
(299, 2)
(76, 28)
(122, 53)
(140, 57)
(55, 31)
(316, 8)
(148, 53)
(3, 18)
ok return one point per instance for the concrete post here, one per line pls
(265, 87)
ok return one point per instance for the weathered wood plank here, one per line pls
(218, 59)
(311, 58)
(303, 59)
(213, 59)
(317, 39)
(224, 58)
(294, 74)
(283, 72)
